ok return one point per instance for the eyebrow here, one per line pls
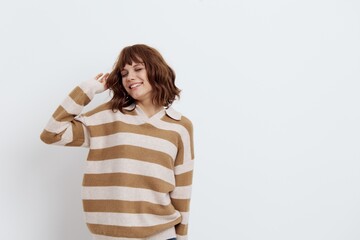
(135, 65)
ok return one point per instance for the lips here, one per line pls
(135, 85)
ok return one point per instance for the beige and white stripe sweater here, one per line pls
(138, 176)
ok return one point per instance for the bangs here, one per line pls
(128, 56)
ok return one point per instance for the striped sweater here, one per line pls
(138, 173)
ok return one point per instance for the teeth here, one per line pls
(135, 85)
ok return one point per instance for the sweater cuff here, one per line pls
(91, 87)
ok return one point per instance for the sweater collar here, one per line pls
(169, 111)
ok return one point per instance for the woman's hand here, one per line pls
(102, 79)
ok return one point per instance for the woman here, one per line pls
(138, 176)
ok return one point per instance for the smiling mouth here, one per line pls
(135, 85)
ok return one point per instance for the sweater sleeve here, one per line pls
(180, 196)
(66, 126)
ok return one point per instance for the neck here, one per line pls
(149, 108)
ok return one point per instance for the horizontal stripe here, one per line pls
(127, 207)
(50, 137)
(128, 219)
(126, 194)
(144, 141)
(66, 136)
(127, 180)
(167, 234)
(188, 166)
(187, 124)
(125, 165)
(184, 179)
(132, 152)
(77, 134)
(71, 107)
(61, 138)
(182, 205)
(144, 129)
(72, 133)
(181, 229)
(79, 96)
(130, 232)
(105, 108)
(61, 115)
(56, 126)
(104, 114)
(185, 217)
(184, 134)
(181, 192)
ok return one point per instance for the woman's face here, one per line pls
(136, 82)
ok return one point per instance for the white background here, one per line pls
(272, 88)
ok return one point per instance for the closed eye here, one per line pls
(124, 73)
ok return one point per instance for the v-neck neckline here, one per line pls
(145, 117)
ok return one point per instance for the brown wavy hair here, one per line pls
(161, 77)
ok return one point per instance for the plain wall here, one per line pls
(272, 88)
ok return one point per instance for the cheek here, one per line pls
(148, 85)
(146, 80)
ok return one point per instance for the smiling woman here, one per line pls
(138, 70)
(136, 83)
(138, 177)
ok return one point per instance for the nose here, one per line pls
(131, 75)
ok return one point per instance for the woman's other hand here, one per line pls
(102, 79)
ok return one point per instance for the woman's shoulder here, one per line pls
(186, 122)
(178, 118)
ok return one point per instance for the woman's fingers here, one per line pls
(98, 76)
(104, 77)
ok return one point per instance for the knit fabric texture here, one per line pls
(138, 174)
